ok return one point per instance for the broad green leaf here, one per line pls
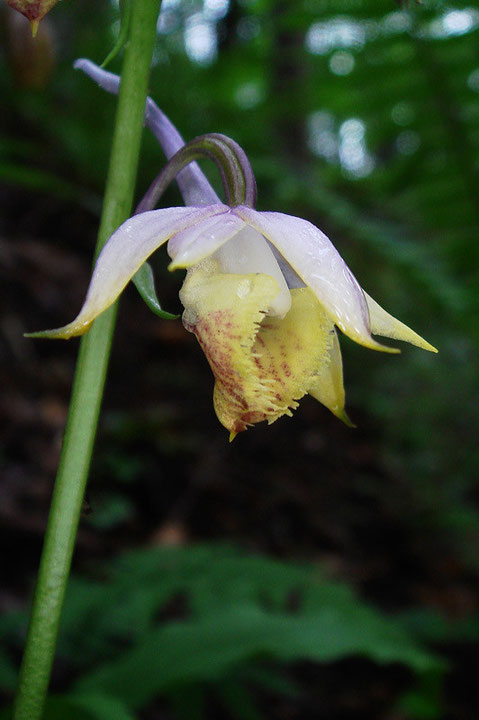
(240, 614)
(86, 707)
(205, 650)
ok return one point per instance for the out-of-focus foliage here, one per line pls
(230, 616)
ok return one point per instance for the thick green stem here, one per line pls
(89, 379)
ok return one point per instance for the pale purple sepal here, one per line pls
(124, 253)
(135, 240)
(317, 262)
(194, 187)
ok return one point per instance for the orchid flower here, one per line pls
(264, 291)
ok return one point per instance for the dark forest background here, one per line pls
(307, 570)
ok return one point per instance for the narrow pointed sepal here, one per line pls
(73, 329)
(123, 255)
(382, 323)
(316, 261)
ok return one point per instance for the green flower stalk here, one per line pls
(90, 375)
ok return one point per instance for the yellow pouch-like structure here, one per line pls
(263, 365)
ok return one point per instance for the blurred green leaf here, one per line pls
(86, 707)
(205, 650)
(239, 614)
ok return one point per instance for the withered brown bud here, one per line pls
(34, 10)
(31, 60)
